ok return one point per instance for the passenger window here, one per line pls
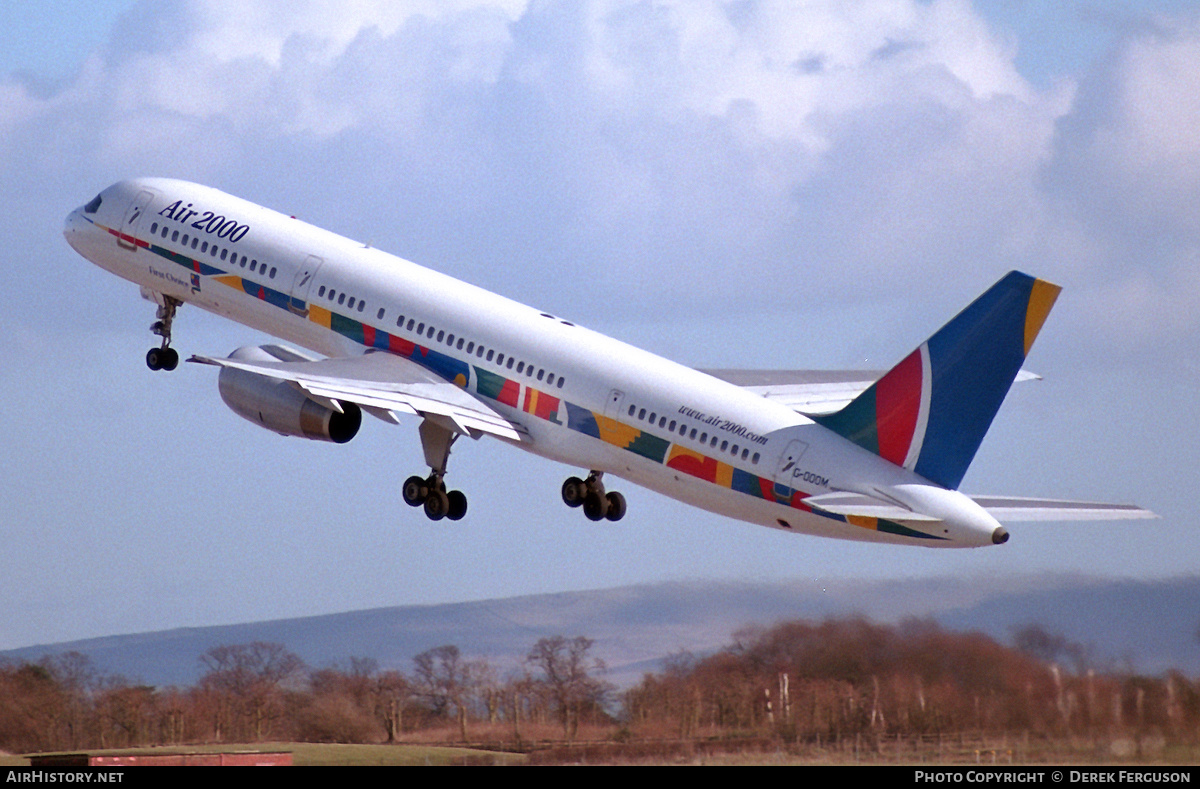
(175, 236)
(379, 315)
(362, 304)
(430, 332)
(479, 352)
(520, 367)
(441, 335)
(653, 417)
(153, 227)
(224, 253)
(471, 347)
(489, 356)
(350, 303)
(450, 339)
(754, 459)
(253, 264)
(400, 322)
(460, 344)
(561, 380)
(420, 328)
(195, 240)
(540, 373)
(185, 239)
(672, 427)
(321, 291)
(166, 231)
(693, 434)
(410, 323)
(510, 362)
(204, 247)
(642, 414)
(341, 298)
(272, 272)
(724, 445)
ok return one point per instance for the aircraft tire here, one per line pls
(573, 492)
(616, 506)
(170, 359)
(457, 506)
(595, 507)
(414, 491)
(154, 359)
(437, 505)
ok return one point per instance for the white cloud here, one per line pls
(827, 148)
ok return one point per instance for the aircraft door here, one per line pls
(133, 215)
(616, 399)
(302, 285)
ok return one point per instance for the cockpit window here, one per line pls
(93, 206)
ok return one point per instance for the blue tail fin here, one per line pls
(930, 412)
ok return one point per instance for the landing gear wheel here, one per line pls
(574, 490)
(414, 491)
(164, 357)
(457, 505)
(437, 505)
(595, 506)
(616, 506)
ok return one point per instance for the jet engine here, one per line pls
(279, 406)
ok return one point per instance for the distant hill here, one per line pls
(1149, 626)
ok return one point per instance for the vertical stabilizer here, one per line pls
(930, 412)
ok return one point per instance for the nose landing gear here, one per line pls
(590, 494)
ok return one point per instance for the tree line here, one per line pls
(261, 691)
(794, 682)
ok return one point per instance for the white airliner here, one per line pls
(847, 455)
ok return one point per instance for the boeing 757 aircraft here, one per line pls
(835, 454)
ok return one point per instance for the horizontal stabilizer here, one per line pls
(1012, 508)
(813, 392)
(863, 506)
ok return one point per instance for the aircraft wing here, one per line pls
(1012, 508)
(383, 385)
(812, 392)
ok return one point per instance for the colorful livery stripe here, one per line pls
(930, 412)
(895, 412)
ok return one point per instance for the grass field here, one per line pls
(312, 754)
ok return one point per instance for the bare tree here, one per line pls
(248, 680)
(567, 675)
(445, 679)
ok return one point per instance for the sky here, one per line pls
(747, 184)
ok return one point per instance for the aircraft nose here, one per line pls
(72, 229)
(999, 536)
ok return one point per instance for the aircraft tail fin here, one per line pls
(930, 412)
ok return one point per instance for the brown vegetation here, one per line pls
(839, 687)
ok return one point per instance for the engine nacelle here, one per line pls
(281, 407)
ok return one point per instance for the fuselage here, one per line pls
(583, 398)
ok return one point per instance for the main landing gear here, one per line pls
(436, 440)
(164, 357)
(590, 494)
